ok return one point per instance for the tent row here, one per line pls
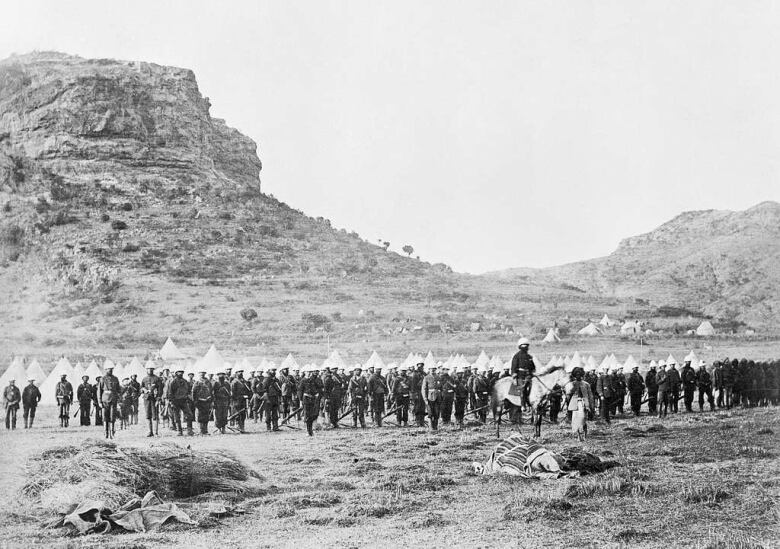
(629, 327)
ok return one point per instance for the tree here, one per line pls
(408, 250)
(385, 245)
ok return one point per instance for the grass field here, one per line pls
(700, 480)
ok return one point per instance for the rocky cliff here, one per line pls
(115, 121)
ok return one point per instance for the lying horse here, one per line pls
(541, 386)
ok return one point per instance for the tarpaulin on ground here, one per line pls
(137, 515)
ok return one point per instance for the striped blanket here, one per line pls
(519, 456)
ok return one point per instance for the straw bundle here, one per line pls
(64, 475)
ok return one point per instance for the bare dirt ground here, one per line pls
(700, 480)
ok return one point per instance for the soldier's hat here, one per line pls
(358, 366)
(403, 368)
(421, 363)
(221, 373)
(202, 371)
(63, 375)
(85, 377)
(179, 369)
(237, 370)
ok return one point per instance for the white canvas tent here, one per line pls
(705, 329)
(15, 371)
(552, 336)
(170, 352)
(136, 368)
(589, 330)
(93, 371)
(34, 371)
(630, 327)
(288, 362)
(212, 361)
(606, 322)
(78, 372)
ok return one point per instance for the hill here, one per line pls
(128, 213)
(722, 264)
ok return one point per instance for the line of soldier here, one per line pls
(736, 382)
(410, 394)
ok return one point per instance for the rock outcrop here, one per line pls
(80, 119)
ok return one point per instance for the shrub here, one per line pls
(314, 321)
(13, 235)
(104, 217)
(131, 248)
(118, 225)
(127, 207)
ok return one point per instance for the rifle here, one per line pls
(289, 417)
(394, 410)
(479, 409)
(346, 414)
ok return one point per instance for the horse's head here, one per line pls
(544, 381)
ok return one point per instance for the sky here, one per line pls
(487, 135)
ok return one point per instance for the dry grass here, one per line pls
(409, 487)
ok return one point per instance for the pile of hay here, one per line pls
(64, 475)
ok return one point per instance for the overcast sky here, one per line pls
(487, 135)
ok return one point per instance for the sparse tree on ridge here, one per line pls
(408, 250)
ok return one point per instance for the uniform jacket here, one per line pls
(152, 387)
(401, 387)
(31, 396)
(447, 387)
(239, 389)
(664, 384)
(522, 361)
(202, 391)
(674, 380)
(431, 388)
(310, 387)
(688, 377)
(604, 386)
(11, 397)
(636, 384)
(377, 385)
(222, 393)
(461, 388)
(109, 389)
(178, 389)
(84, 392)
(650, 381)
(703, 380)
(358, 387)
(64, 390)
(272, 389)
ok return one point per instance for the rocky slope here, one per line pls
(720, 263)
(128, 213)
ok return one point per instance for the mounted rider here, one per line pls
(523, 368)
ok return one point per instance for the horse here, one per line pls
(541, 386)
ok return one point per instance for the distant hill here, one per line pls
(128, 213)
(719, 263)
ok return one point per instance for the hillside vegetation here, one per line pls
(128, 213)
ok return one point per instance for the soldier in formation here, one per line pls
(11, 399)
(85, 396)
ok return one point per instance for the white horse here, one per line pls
(541, 386)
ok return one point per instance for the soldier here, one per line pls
(136, 398)
(31, 396)
(108, 394)
(84, 396)
(417, 401)
(126, 396)
(606, 393)
(652, 389)
(636, 388)
(96, 402)
(178, 396)
(64, 393)
(287, 383)
(675, 382)
(11, 399)
(358, 393)
(472, 374)
(523, 368)
(664, 387)
(151, 389)
(727, 383)
(431, 393)
(377, 391)
(620, 389)
(295, 380)
(202, 397)
(461, 396)
(273, 394)
(481, 389)
(222, 398)
(332, 392)
(310, 390)
(240, 394)
(688, 377)
(401, 396)
(577, 389)
(447, 394)
(258, 395)
(717, 382)
(704, 384)
(556, 397)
